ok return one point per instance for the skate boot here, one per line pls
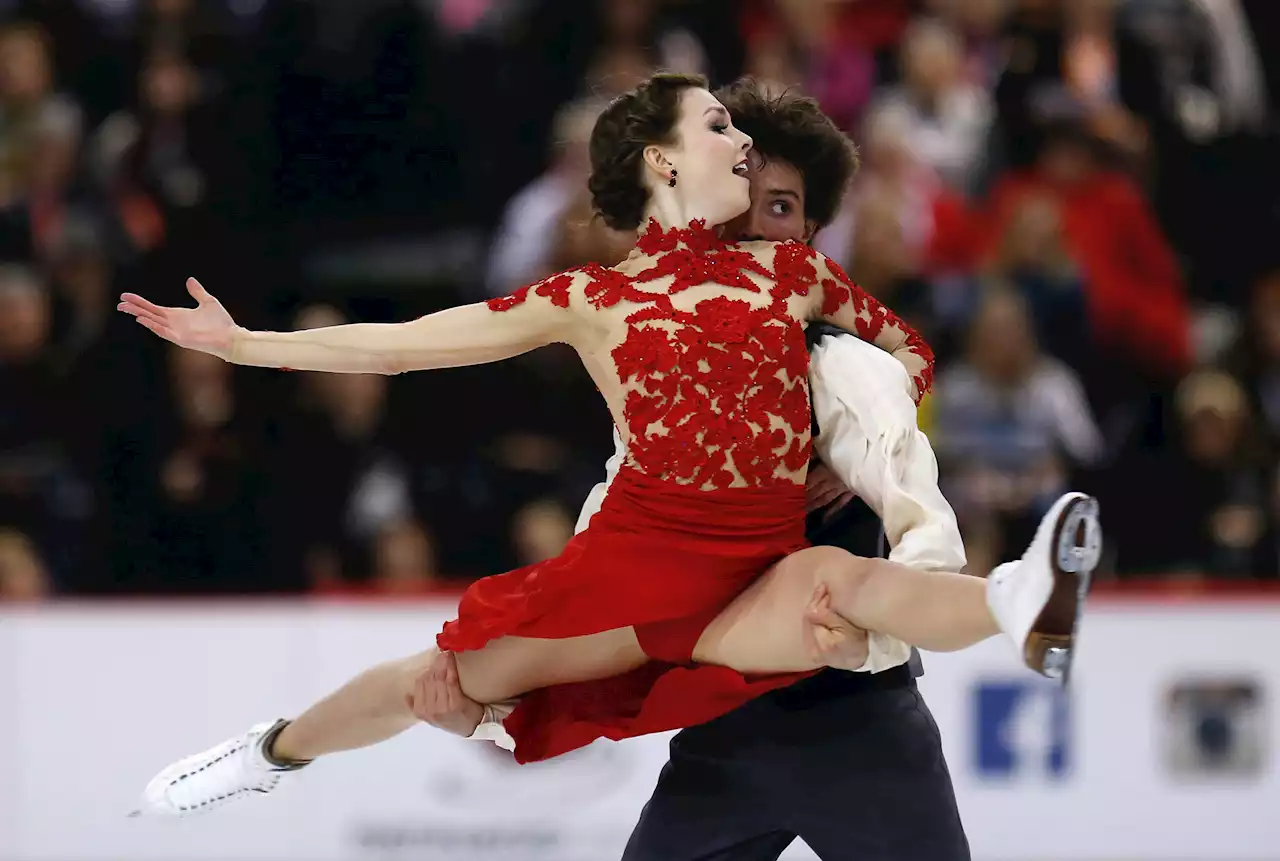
(1038, 600)
(203, 782)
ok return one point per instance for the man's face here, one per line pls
(776, 213)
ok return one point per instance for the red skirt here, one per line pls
(663, 558)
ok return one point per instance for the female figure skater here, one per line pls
(655, 617)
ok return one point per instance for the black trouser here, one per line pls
(850, 763)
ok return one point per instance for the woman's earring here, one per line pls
(672, 181)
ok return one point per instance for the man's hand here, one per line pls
(823, 489)
(438, 699)
(832, 639)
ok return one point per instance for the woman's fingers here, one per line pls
(145, 304)
(159, 328)
(140, 312)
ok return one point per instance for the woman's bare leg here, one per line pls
(1036, 601)
(763, 630)
(374, 706)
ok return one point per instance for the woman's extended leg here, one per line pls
(374, 707)
(762, 631)
(1035, 600)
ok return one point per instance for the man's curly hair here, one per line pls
(792, 128)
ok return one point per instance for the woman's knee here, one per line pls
(843, 573)
(817, 566)
(407, 670)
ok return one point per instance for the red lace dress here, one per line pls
(716, 407)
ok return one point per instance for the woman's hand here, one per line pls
(207, 327)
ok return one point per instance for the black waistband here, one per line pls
(829, 684)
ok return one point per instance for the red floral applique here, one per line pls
(834, 294)
(725, 320)
(710, 389)
(716, 395)
(647, 350)
(872, 318)
(696, 237)
(556, 289)
(608, 287)
(654, 240)
(793, 269)
(691, 270)
(506, 303)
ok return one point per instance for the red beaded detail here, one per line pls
(872, 317)
(697, 237)
(720, 392)
(725, 388)
(556, 289)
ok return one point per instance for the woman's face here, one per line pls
(710, 158)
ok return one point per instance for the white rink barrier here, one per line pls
(1164, 749)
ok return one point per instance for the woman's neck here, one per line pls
(671, 212)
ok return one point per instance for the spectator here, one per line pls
(623, 59)
(83, 279)
(1136, 297)
(1257, 356)
(195, 528)
(978, 22)
(340, 477)
(30, 116)
(827, 46)
(1209, 508)
(946, 120)
(526, 247)
(1031, 260)
(405, 560)
(935, 225)
(1011, 427)
(540, 531)
(39, 492)
(26, 93)
(23, 576)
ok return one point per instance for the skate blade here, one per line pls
(1077, 550)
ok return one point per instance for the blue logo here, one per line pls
(1023, 730)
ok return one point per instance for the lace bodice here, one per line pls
(698, 346)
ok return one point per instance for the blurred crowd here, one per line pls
(1077, 201)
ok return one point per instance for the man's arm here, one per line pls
(866, 414)
(869, 437)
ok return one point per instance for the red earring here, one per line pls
(672, 182)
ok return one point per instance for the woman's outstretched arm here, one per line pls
(467, 335)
